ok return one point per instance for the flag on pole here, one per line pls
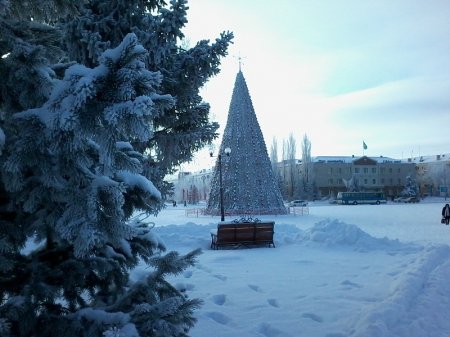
(364, 146)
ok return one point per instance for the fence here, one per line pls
(299, 210)
(194, 212)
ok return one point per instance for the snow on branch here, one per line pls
(138, 181)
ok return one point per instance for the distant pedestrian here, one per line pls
(446, 214)
(174, 203)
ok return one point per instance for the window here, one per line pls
(330, 181)
(356, 169)
(365, 181)
(382, 170)
(366, 170)
(374, 181)
(374, 170)
(390, 170)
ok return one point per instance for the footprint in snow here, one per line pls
(273, 302)
(227, 258)
(218, 317)
(255, 288)
(269, 331)
(304, 262)
(220, 277)
(350, 284)
(219, 299)
(312, 316)
(202, 267)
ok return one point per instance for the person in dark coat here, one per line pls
(446, 213)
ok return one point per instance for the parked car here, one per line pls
(298, 203)
(411, 199)
(407, 199)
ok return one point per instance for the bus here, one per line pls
(355, 198)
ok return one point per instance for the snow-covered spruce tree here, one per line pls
(411, 187)
(185, 127)
(28, 48)
(75, 175)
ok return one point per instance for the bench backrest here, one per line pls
(245, 232)
(264, 231)
(226, 233)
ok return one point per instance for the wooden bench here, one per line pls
(243, 232)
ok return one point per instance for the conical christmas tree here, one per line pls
(249, 186)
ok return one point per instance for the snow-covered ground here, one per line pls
(366, 271)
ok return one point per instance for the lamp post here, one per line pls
(227, 151)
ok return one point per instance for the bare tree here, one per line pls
(307, 180)
(275, 164)
(290, 170)
(352, 184)
(274, 156)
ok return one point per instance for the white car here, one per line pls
(298, 203)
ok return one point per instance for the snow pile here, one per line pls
(334, 233)
(418, 296)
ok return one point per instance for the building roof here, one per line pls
(428, 159)
(351, 159)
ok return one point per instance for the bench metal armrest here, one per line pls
(213, 240)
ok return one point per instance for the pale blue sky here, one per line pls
(340, 71)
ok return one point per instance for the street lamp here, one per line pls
(227, 151)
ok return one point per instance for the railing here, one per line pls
(194, 212)
(246, 220)
(304, 210)
(197, 212)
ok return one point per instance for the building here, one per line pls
(433, 174)
(382, 174)
(192, 187)
(333, 174)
